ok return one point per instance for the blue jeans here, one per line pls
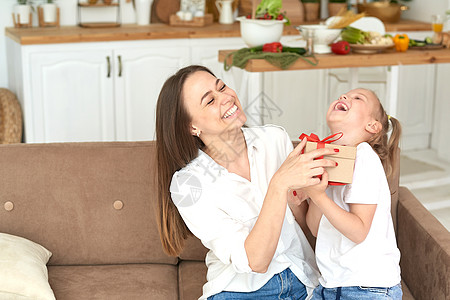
(284, 285)
(358, 293)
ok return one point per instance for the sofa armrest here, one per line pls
(425, 249)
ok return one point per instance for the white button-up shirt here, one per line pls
(221, 208)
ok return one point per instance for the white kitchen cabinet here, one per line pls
(140, 71)
(417, 86)
(296, 100)
(71, 96)
(93, 91)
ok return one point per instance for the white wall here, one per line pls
(422, 10)
(5, 21)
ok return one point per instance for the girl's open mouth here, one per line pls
(341, 106)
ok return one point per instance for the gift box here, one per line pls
(343, 172)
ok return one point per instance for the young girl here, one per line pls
(356, 249)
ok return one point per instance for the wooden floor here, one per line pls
(428, 178)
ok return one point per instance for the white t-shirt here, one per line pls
(375, 261)
(221, 208)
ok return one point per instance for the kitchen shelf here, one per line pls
(155, 31)
(85, 5)
(97, 4)
(99, 25)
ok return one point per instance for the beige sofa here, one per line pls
(90, 204)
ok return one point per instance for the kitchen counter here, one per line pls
(353, 60)
(76, 34)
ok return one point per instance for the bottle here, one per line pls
(447, 20)
(310, 41)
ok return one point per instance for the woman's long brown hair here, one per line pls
(386, 147)
(175, 148)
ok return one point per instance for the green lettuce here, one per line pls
(272, 7)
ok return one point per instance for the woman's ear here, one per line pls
(195, 131)
(374, 127)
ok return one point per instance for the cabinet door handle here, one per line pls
(120, 65)
(109, 66)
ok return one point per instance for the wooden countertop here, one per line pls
(328, 61)
(76, 34)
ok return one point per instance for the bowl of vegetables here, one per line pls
(265, 26)
(367, 42)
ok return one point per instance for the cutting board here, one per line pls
(294, 11)
(165, 8)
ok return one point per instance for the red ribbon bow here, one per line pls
(321, 144)
(314, 138)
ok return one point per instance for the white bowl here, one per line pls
(323, 36)
(256, 32)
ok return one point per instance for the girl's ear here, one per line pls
(374, 127)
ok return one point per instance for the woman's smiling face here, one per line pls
(213, 106)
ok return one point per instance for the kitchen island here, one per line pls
(353, 60)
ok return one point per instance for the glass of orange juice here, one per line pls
(437, 23)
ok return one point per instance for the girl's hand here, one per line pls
(296, 197)
(301, 170)
(315, 191)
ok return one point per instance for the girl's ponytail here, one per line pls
(384, 147)
(394, 140)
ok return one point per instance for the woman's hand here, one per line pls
(301, 170)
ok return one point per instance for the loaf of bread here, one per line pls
(442, 38)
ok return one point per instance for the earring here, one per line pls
(198, 134)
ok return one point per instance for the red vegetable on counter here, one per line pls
(272, 47)
(341, 47)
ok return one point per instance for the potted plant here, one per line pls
(49, 11)
(312, 10)
(22, 12)
(336, 6)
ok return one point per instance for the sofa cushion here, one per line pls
(23, 270)
(406, 292)
(193, 250)
(425, 247)
(132, 281)
(68, 194)
(191, 278)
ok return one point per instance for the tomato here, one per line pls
(341, 47)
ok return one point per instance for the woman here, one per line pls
(229, 185)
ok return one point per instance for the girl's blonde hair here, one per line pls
(386, 147)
